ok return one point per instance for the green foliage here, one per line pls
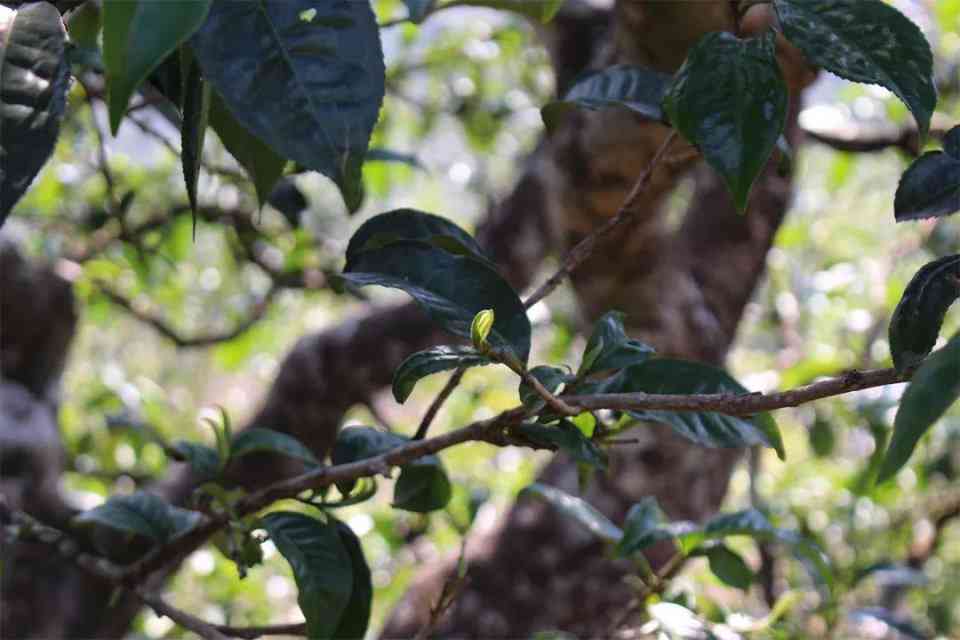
(918, 317)
(729, 99)
(865, 41)
(577, 509)
(609, 347)
(328, 68)
(639, 90)
(565, 437)
(196, 112)
(142, 514)
(137, 36)
(930, 187)
(425, 363)
(256, 440)
(934, 387)
(323, 569)
(729, 566)
(34, 77)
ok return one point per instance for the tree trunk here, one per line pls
(683, 285)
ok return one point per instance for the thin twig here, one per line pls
(554, 402)
(257, 313)
(434, 407)
(585, 247)
(249, 633)
(189, 622)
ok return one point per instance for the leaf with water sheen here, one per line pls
(730, 100)
(424, 363)
(934, 387)
(34, 78)
(322, 567)
(137, 36)
(865, 41)
(452, 289)
(638, 89)
(309, 88)
(916, 321)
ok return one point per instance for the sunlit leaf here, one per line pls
(578, 509)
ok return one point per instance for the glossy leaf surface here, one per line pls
(930, 187)
(730, 100)
(425, 363)
(916, 321)
(578, 509)
(33, 86)
(865, 41)
(610, 347)
(307, 78)
(143, 514)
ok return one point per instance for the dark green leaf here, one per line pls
(256, 440)
(286, 198)
(550, 377)
(951, 143)
(409, 224)
(424, 363)
(204, 460)
(865, 41)
(892, 574)
(360, 443)
(541, 10)
(918, 317)
(322, 568)
(610, 347)
(730, 100)
(83, 25)
(452, 289)
(576, 508)
(567, 438)
(929, 188)
(142, 514)
(137, 36)
(708, 429)
(33, 86)
(822, 438)
(423, 486)
(754, 524)
(196, 111)
(388, 155)
(647, 525)
(638, 89)
(934, 387)
(356, 616)
(307, 78)
(261, 163)
(729, 566)
(418, 9)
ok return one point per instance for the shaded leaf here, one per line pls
(934, 387)
(929, 188)
(322, 567)
(388, 155)
(418, 9)
(83, 25)
(729, 566)
(286, 198)
(356, 615)
(33, 85)
(706, 428)
(754, 524)
(916, 321)
(567, 438)
(865, 41)
(610, 347)
(196, 111)
(262, 164)
(142, 514)
(204, 460)
(424, 363)
(257, 440)
(307, 78)
(550, 377)
(578, 509)
(410, 224)
(137, 36)
(647, 525)
(423, 486)
(729, 99)
(451, 288)
(636, 88)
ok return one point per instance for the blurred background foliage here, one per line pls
(461, 111)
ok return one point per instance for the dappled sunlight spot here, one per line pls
(202, 562)
(278, 587)
(156, 626)
(361, 524)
